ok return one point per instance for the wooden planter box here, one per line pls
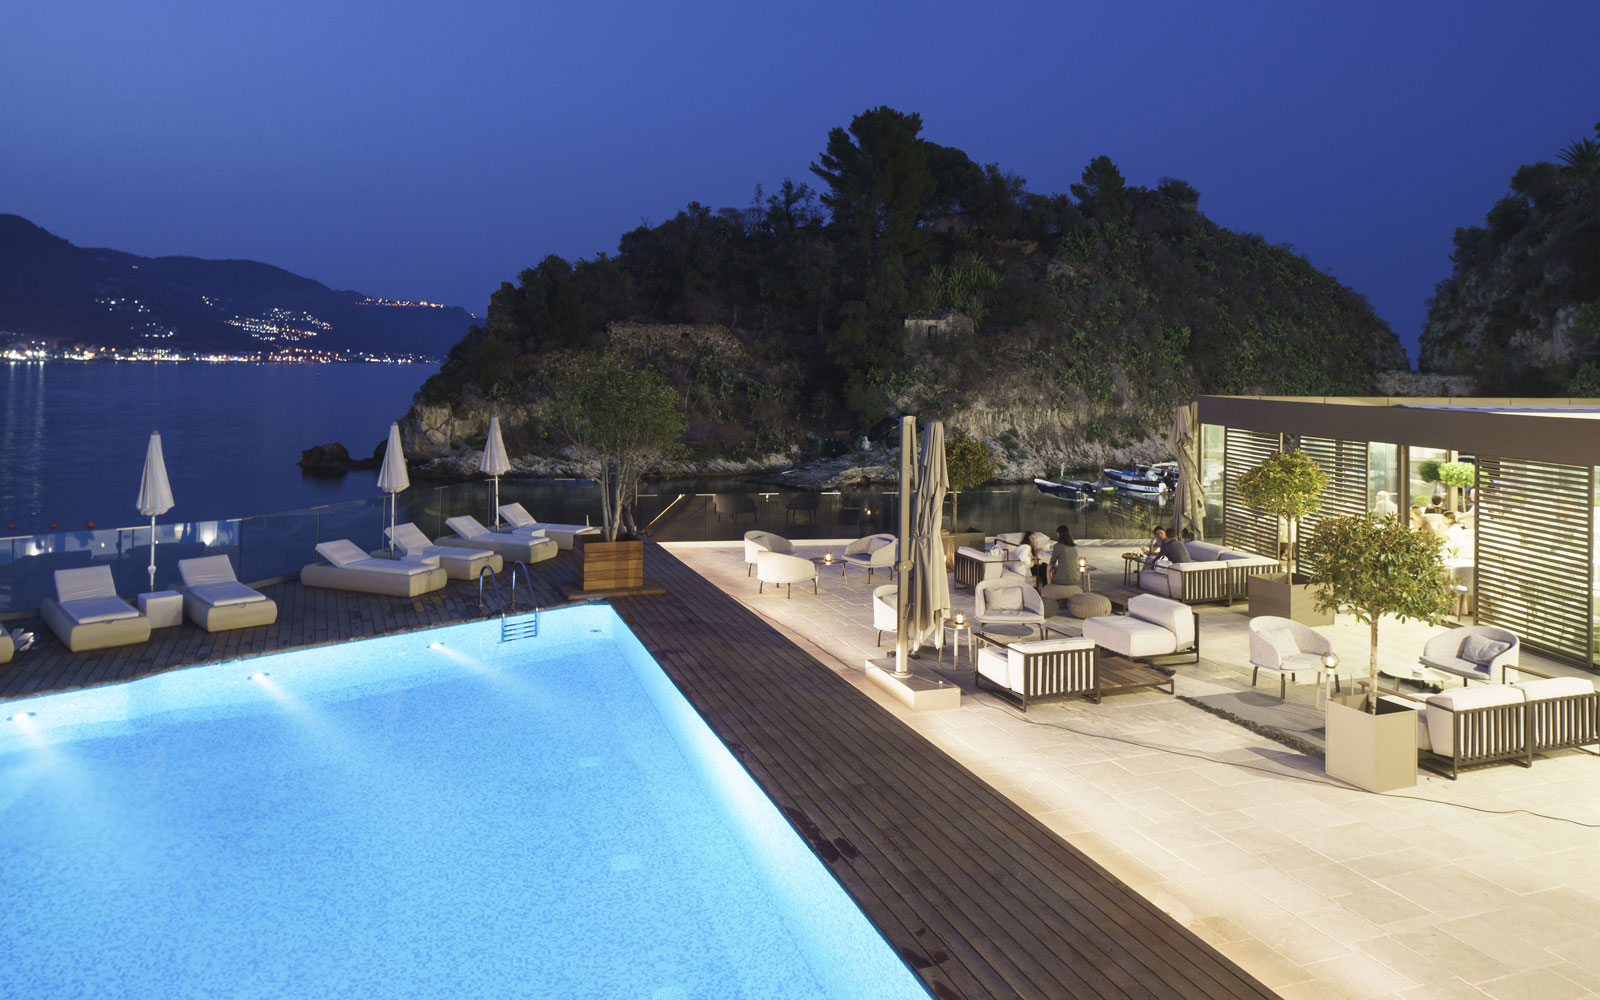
(1375, 752)
(1273, 594)
(617, 565)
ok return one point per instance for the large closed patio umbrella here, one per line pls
(1189, 501)
(926, 588)
(392, 478)
(496, 464)
(155, 494)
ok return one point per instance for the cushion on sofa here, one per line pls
(1203, 551)
(1440, 707)
(1554, 687)
(1481, 649)
(1129, 636)
(1174, 616)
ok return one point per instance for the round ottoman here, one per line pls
(1088, 605)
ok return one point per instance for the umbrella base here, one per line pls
(916, 691)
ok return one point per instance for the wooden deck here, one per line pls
(977, 896)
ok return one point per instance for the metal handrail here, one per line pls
(533, 601)
(498, 602)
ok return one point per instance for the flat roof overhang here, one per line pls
(1562, 431)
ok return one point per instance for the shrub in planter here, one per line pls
(1288, 484)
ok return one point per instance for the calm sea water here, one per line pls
(73, 436)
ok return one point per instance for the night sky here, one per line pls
(433, 150)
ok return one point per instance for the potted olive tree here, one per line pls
(1287, 484)
(621, 421)
(1372, 566)
(970, 464)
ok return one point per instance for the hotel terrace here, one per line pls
(1149, 845)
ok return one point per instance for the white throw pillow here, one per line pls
(1005, 599)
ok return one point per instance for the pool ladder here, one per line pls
(512, 626)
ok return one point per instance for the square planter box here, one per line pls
(1375, 752)
(1273, 594)
(617, 565)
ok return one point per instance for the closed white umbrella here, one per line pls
(392, 478)
(155, 494)
(496, 464)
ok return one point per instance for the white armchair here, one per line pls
(1285, 647)
(757, 542)
(871, 553)
(782, 568)
(1475, 652)
(1008, 600)
(885, 609)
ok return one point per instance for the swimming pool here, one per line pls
(421, 815)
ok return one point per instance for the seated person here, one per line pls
(1164, 544)
(1383, 506)
(1062, 572)
(1416, 522)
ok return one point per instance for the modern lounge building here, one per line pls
(1529, 559)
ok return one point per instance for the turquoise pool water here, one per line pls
(435, 814)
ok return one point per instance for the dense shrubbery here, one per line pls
(1521, 308)
(1113, 285)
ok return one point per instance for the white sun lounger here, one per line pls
(215, 600)
(472, 535)
(86, 612)
(350, 568)
(458, 563)
(524, 523)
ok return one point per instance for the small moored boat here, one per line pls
(1139, 479)
(1072, 491)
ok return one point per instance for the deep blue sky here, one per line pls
(434, 150)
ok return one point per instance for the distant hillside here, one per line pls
(1521, 308)
(1059, 327)
(52, 290)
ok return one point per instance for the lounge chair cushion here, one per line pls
(1005, 599)
(210, 580)
(88, 610)
(84, 582)
(220, 595)
(1481, 649)
(341, 552)
(1130, 636)
(466, 526)
(1174, 616)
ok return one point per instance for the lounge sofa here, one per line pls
(1216, 574)
(458, 563)
(350, 568)
(1008, 600)
(1465, 727)
(528, 547)
(873, 552)
(1038, 669)
(784, 569)
(524, 523)
(1473, 652)
(86, 612)
(758, 543)
(215, 600)
(1154, 626)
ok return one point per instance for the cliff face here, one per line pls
(1521, 308)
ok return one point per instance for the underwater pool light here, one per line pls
(435, 644)
(20, 717)
(260, 675)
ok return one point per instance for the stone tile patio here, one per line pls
(1481, 887)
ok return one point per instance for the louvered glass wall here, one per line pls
(1243, 526)
(1345, 465)
(1535, 552)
